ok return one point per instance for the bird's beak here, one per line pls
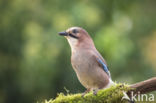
(63, 33)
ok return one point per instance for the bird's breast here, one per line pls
(81, 62)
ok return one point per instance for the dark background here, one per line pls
(35, 61)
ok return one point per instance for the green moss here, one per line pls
(113, 94)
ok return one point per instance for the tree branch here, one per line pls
(144, 86)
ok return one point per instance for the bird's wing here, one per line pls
(103, 65)
(101, 62)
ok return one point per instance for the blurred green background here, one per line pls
(35, 61)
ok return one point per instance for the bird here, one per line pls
(90, 67)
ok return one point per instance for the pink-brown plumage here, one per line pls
(84, 59)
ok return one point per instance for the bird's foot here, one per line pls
(95, 91)
(83, 94)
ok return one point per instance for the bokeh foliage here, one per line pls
(35, 61)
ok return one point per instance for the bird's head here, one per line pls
(77, 37)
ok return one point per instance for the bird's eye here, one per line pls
(75, 31)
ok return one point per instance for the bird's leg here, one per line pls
(88, 90)
(95, 91)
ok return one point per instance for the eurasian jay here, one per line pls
(90, 67)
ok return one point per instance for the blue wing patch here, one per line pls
(104, 66)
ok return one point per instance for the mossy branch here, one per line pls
(110, 95)
(113, 94)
